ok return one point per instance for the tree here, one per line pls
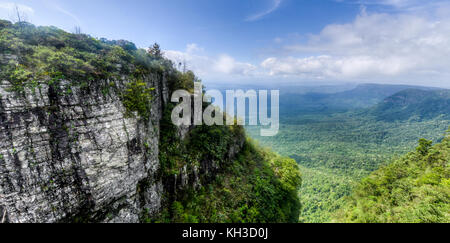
(424, 146)
(77, 30)
(18, 16)
(155, 50)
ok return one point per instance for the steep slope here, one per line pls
(413, 189)
(84, 137)
(215, 175)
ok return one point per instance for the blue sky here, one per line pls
(301, 41)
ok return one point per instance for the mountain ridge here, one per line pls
(413, 103)
(361, 97)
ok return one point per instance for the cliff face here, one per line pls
(70, 154)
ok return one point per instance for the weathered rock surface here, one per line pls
(70, 154)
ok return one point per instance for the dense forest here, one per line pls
(412, 189)
(339, 144)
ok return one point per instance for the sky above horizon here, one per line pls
(272, 41)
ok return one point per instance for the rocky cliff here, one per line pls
(75, 156)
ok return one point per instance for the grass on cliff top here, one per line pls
(32, 56)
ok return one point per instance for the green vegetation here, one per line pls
(203, 143)
(335, 150)
(413, 189)
(323, 191)
(255, 185)
(137, 98)
(258, 187)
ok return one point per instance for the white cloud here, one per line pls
(403, 46)
(338, 67)
(192, 48)
(275, 5)
(8, 10)
(194, 60)
(209, 66)
(227, 65)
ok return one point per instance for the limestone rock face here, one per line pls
(71, 155)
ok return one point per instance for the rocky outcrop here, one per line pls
(69, 154)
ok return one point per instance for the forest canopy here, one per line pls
(413, 189)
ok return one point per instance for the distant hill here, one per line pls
(363, 96)
(285, 88)
(413, 104)
(366, 95)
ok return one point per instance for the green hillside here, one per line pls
(335, 150)
(413, 189)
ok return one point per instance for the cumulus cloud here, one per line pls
(374, 45)
(207, 66)
(338, 67)
(226, 64)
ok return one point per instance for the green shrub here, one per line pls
(137, 98)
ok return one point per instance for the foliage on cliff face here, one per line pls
(258, 187)
(137, 97)
(413, 189)
(254, 186)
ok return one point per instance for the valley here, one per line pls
(347, 140)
